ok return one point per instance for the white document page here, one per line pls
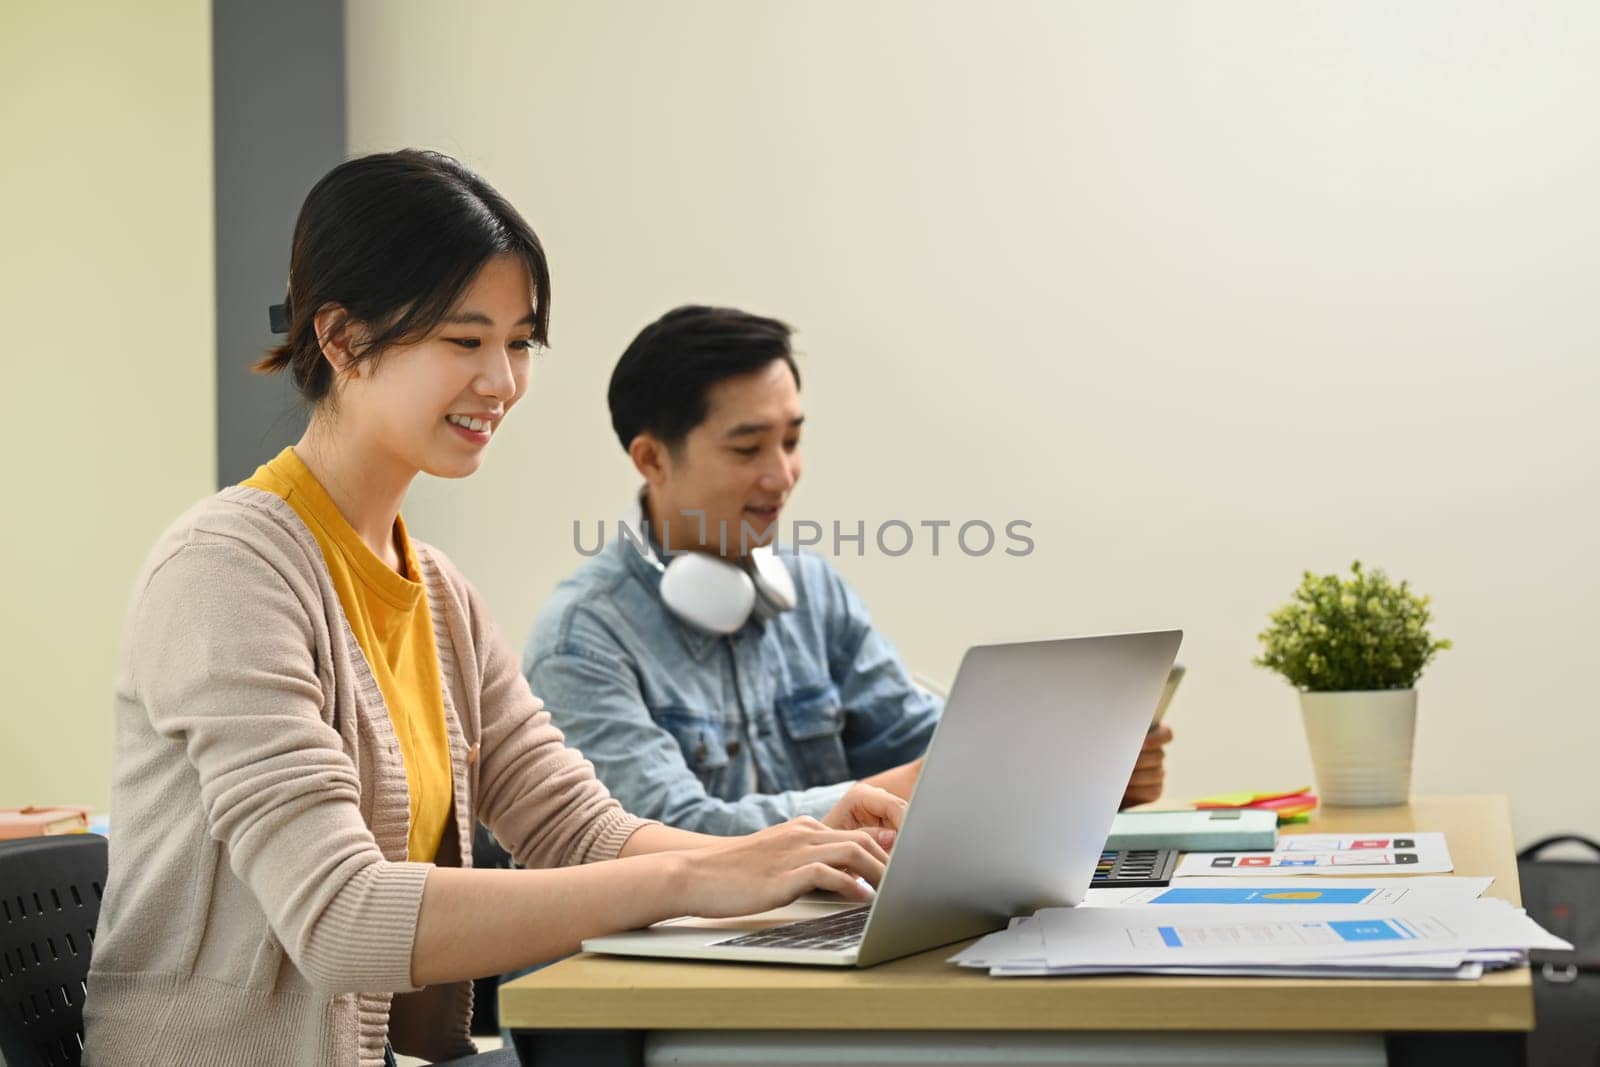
(1020, 942)
(1357, 855)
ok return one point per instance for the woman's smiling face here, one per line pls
(434, 405)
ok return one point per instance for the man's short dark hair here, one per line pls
(660, 383)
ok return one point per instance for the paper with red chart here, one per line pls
(1325, 854)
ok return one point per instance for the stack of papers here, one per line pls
(1435, 928)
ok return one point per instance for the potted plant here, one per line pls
(1354, 646)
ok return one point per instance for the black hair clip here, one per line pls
(278, 317)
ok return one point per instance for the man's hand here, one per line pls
(866, 807)
(1150, 772)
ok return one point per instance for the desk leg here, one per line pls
(1489, 1049)
(579, 1048)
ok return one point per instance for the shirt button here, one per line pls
(733, 748)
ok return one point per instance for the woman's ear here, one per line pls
(649, 458)
(334, 337)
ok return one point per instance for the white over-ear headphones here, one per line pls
(712, 594)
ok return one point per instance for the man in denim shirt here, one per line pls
(726, 733)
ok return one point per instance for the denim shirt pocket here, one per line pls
(700, 739)
(813, 720)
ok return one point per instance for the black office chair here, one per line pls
(50, 891)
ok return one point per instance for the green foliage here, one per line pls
(1341, 634)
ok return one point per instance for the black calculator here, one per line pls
(1134, 867)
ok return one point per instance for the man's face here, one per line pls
(737, 466)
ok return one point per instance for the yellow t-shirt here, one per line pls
(389, 615)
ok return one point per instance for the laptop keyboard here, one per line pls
(842, 929)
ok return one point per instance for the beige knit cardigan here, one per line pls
(259, 907)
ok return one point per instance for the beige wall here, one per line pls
(106, 362)
(1208, 293)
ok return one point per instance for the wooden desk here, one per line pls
(600, 1008)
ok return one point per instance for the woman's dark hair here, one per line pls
(395, 239)
(659, 385)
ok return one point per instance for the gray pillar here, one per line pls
(278, 73)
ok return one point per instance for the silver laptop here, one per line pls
(1010, 814)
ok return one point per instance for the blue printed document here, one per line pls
(1193, 895)
(1373, 892)
(1296, 933)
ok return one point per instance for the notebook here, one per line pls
(1216, 830)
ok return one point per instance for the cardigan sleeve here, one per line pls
(537, 795)
(225, 662)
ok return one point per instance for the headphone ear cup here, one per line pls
(708, 593)
(774, 584)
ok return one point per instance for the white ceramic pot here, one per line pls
(1361, 745)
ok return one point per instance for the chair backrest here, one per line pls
(1563, 895)
(50, 890)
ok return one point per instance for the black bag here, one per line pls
(1563, 896)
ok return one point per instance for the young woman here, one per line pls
(313, 709)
